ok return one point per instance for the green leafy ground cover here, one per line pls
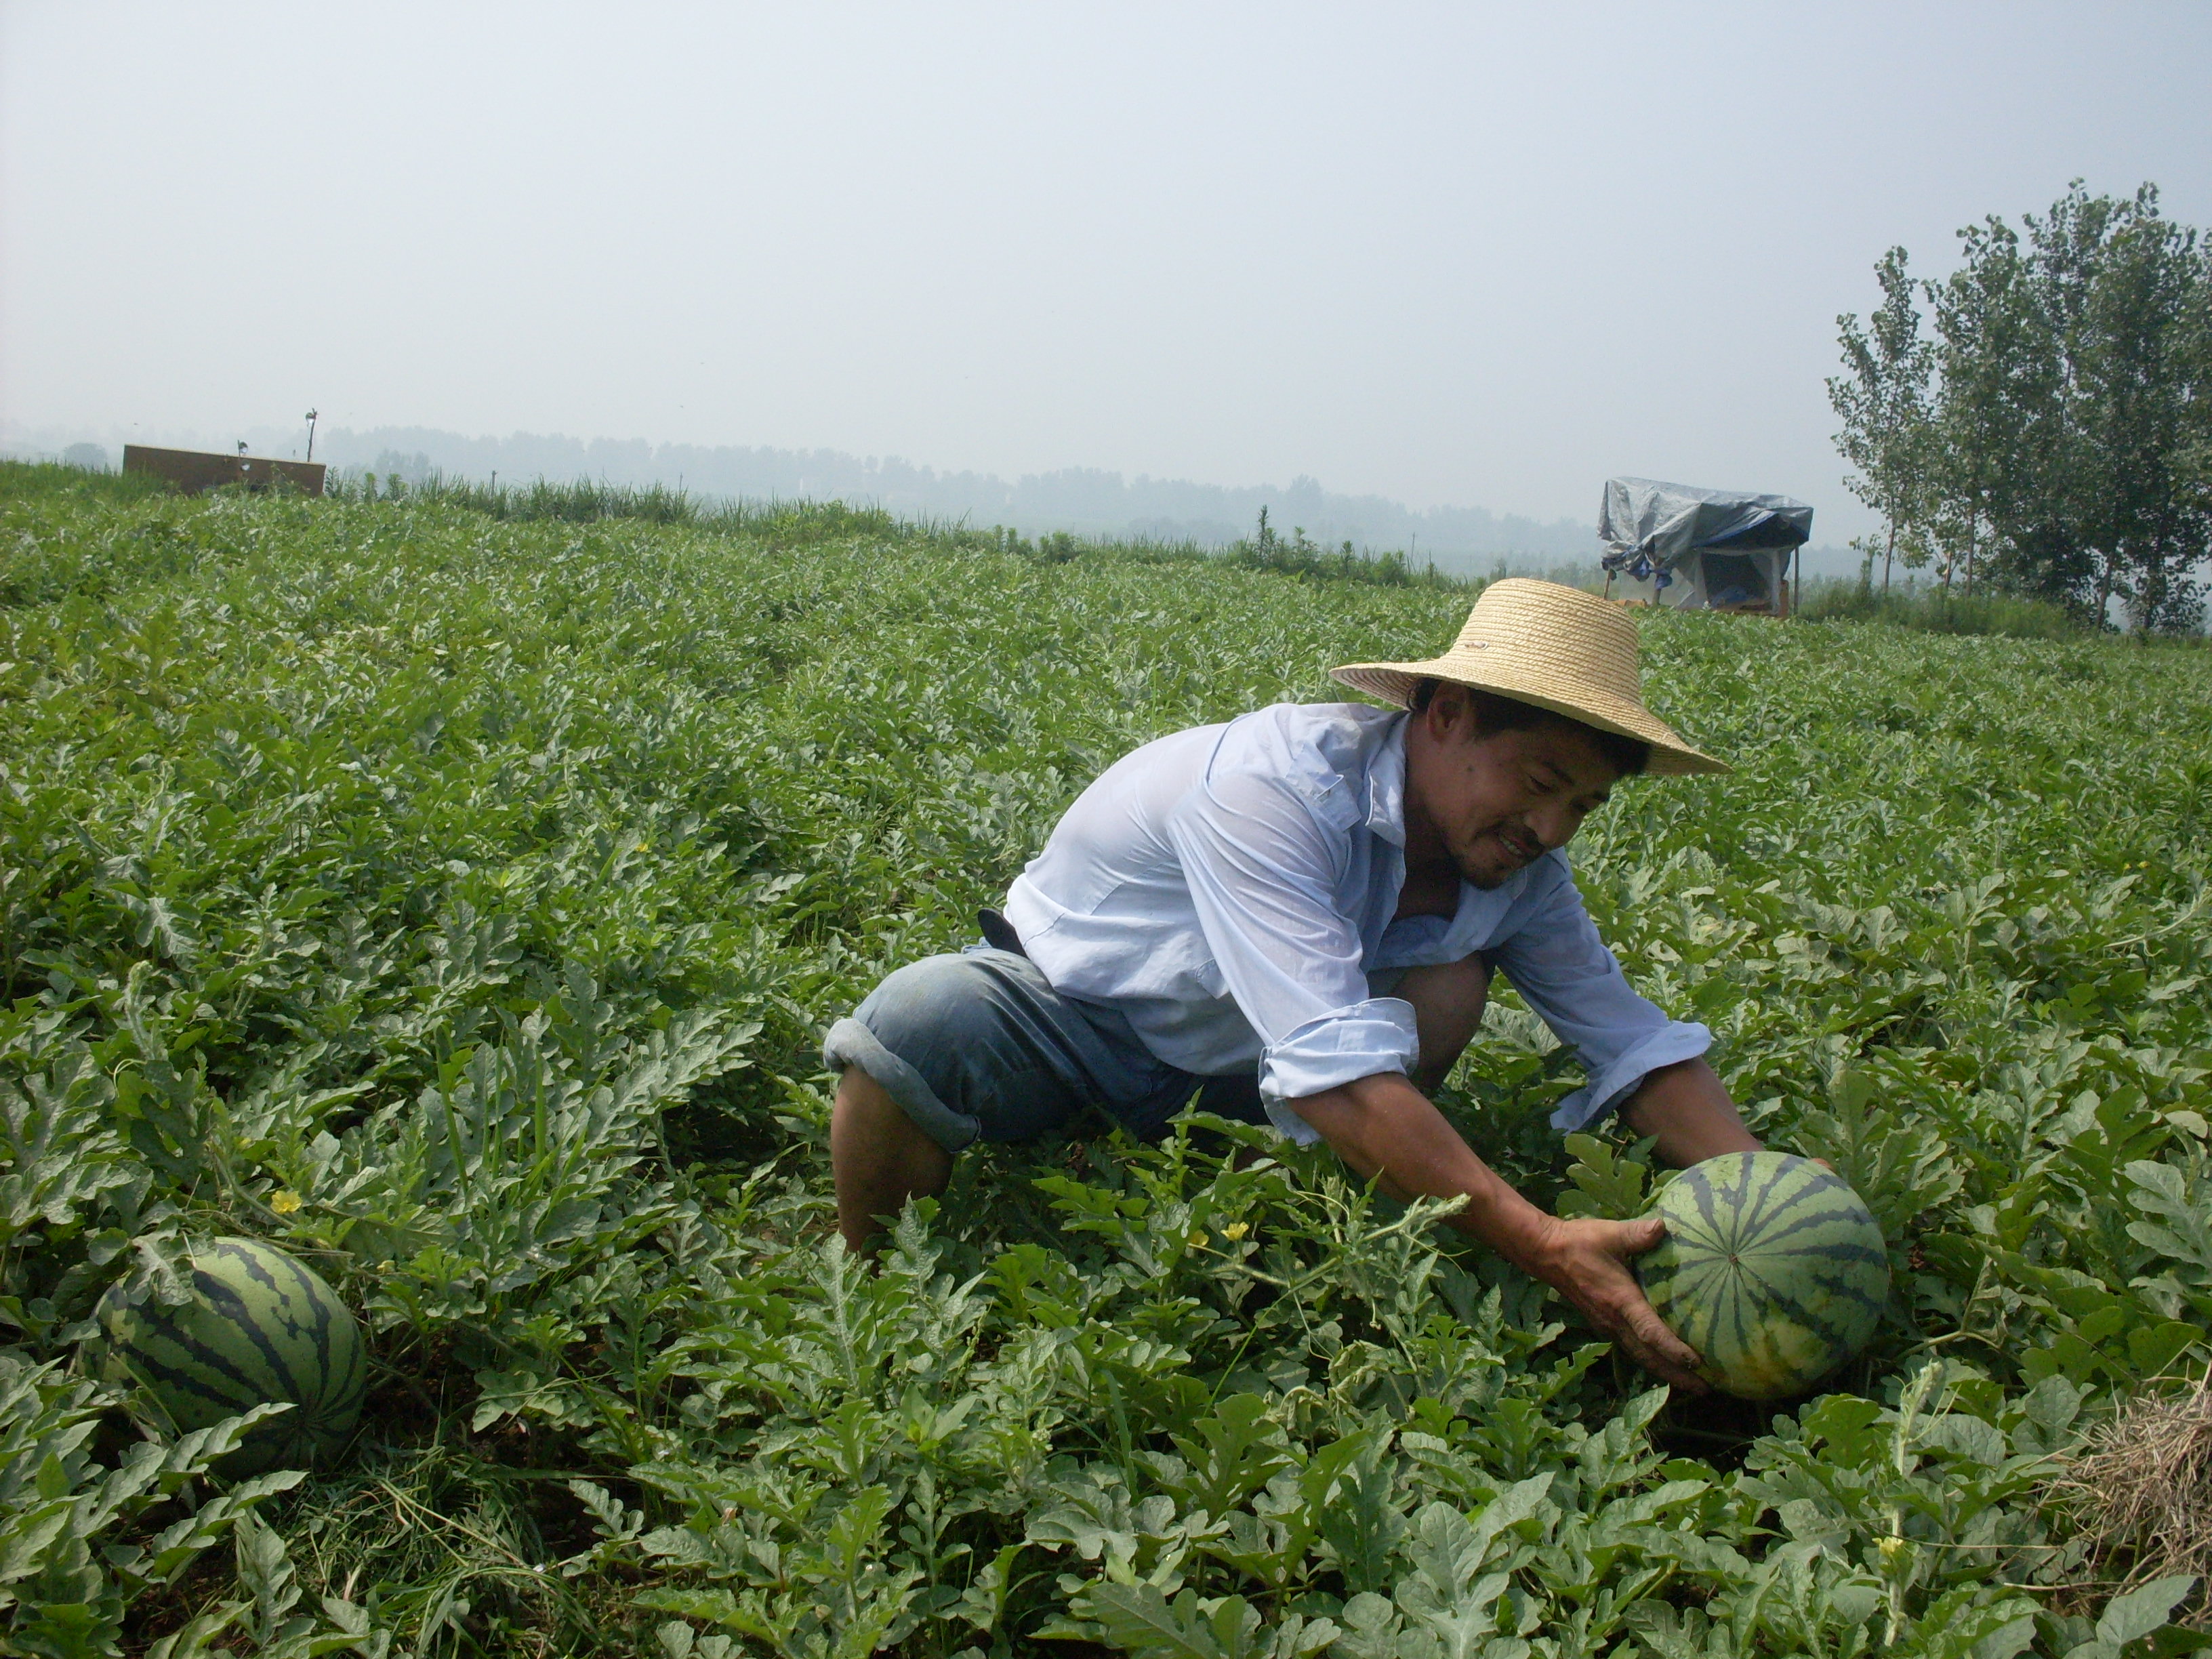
(457, 901)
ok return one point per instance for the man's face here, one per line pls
(1495, 805)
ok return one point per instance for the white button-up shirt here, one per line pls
(1231, 890)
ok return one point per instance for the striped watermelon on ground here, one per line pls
(1773, 1269)
(261, 1328)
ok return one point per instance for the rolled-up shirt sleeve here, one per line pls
(1258, 858)
(1565, 973)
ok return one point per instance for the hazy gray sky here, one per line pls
(1457, 253)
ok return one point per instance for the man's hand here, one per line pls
(1587, 1262)
(1384, 1129)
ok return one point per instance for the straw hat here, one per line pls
(1556, 647)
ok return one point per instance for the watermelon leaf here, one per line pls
(1607, 1182)
(1902, 1168)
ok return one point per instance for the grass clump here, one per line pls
(2143, 1487)
(587, 501)
(1935, 611)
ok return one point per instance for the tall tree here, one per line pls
(2062, 443)
(2143, 403)
(1999, 433)
(1883, 401)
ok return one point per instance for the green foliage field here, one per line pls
(458, 901)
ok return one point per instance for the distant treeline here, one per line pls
(2053, 435)
(1082, 500)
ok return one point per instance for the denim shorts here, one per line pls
(980, 1046)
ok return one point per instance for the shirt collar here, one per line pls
(1386, 787)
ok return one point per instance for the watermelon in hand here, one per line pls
(1773, 1269)
(262, 1328)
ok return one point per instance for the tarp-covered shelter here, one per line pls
(1701, 550)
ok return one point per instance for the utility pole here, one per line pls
(311, 435)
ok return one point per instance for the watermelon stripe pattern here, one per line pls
(262, 1327)
(1773, 1269)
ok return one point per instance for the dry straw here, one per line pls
(2141, 1489)
(1556, 647)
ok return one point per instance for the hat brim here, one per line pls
(1394, 683)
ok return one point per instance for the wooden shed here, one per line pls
(193, 471)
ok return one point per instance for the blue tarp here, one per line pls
(1653, 527)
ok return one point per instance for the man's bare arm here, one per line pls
(1686, 1108)
(1383, 1127)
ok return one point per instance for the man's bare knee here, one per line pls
(1447, 1000)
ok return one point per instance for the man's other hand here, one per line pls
(1587, 1262)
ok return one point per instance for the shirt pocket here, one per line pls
(1329, 800)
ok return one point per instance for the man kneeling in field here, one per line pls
(1295, 917)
